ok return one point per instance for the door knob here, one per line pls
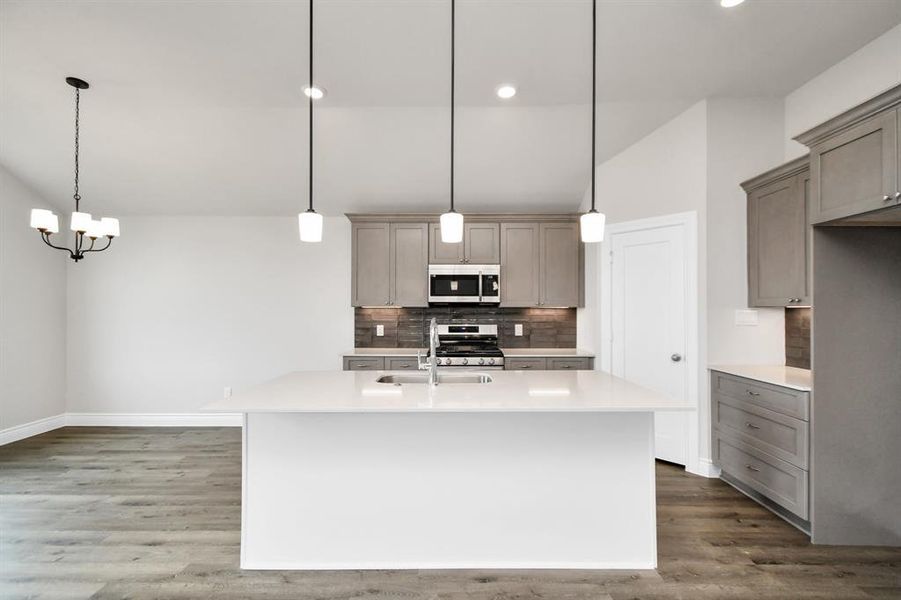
(676, 357)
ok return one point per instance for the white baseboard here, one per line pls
(26, 430)
(20, 432)
(153, 419)
(705, 468)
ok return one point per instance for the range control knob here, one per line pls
(437, 361)
(464, 361)
(481, 361)
(490, 361)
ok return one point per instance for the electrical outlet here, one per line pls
(517, 329)
(380, 330)
(227, 392)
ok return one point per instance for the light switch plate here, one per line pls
(227, 392)
(380, 330)
(748, 318)
(517, 329)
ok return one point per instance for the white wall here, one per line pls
(180, 307)
(744, 139)
(32, 313)
(873, 69)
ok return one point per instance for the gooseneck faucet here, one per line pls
(431, 363)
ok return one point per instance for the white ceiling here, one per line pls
(196, 107)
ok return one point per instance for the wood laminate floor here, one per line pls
(155, 513)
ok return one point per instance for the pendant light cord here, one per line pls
(311, 108)
(453, 70)
(594, 54)
(76, 195)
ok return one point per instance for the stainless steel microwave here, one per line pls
(464, 284)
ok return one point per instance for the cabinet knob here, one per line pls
(897, 195)
(887, 198)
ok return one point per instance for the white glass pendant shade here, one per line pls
(451, 228)
(80, 221)
(110, 226)
(44, 220)
(95, 230)
(310, 226)
(591, 225)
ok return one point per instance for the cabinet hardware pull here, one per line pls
(526, 366)
(405, 366)
(566, 366)
(897, 195)
(362, 366)
(752, 426)
(752, 468)
(750, 393)
(887, 198)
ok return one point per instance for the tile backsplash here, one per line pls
(797, 337)
(408, 327)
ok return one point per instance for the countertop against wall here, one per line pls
(790, 377)
(508, 352)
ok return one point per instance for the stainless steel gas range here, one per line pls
(467, 345)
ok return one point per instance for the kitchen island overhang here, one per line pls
(532, 470)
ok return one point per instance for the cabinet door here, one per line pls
(441, 253)
(370, 270)
(855, 171)
(482, 244)
(777, 243)
(519, 264)
(409, 264)
(560, 275)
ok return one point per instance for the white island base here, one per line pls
(437, 490)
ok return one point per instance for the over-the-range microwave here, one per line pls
(464, 284)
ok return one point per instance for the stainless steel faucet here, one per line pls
(432, 360)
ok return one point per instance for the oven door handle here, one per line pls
(480, 286)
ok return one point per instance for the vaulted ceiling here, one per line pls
(196, 107)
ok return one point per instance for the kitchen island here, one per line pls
(545, 469)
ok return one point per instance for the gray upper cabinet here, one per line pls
(520, 268)
(855, 165)
(370, 268)
(481, 245)
(409, 264)
(778, 237)
(560, 264)
(441, 253)
(389, 264)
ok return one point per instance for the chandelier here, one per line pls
(81, 223)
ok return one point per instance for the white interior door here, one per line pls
(649, 321)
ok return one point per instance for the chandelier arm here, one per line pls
(109, 242)
(46, 237)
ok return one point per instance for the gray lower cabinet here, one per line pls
(532, 363)
(761, 441)
(364, 363)
(778, 237)
(520, 268)
(855, 160)
(389, 264)
(570, 363)
(397, 363)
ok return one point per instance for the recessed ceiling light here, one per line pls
(315, 92)
(730, 3)
(506, 91)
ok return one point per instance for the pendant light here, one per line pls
(81, 223)
(452, 221)
(592, 223)
(310, 222)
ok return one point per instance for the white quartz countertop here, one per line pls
(509, 352)
(509, 391)
(790, 377)
(556, 352)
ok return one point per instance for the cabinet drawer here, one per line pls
(568, 364)
(783, 437)
(364, 363)
(405, 363)
(793, 403)
(781, 482)
(534, 364)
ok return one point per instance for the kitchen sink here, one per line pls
(442, 378)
